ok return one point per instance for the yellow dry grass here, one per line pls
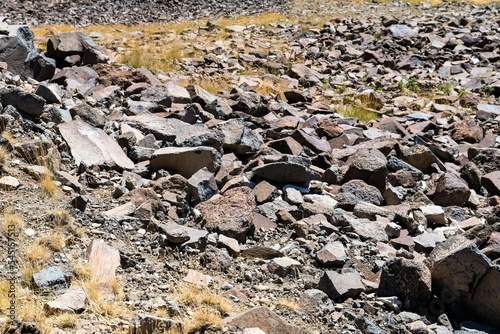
(4, 155)
(356, 111)
(290, 303)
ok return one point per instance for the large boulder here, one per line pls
(462, 274)
(17, 49)
(77, 44)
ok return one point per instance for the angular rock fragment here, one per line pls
(409, 280)
(73, 301)
(93, 146)
(186, 160)
(451, 190)
(341, 286)
(332, 254)
(230, 214)
(148, 324)
(265, 319)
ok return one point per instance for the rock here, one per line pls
(370, 211)
(306, 76)
(474, 278)
(332, 254)
(467, 130)
(103, 261)
(451, 190)
(216, 259)
(147, 324)
(51, 93)
(202, 185)
(393, 230)
(409, 280)
(174, 131)
(50, 277)
(487, 111)
(93, 146)
(265, 319)
(341, 286)
(355, 191)
(369, 230)
(434, 214)
(282, 266)
(18, 51)
(367, 165)
(261, 252)
(89, 115)
(491, 182)
(72, 301)
(230, 214)
(264, 192)
(9, 183)
(421, 157)
(238, 138)
(80, 80)
(401, 30)
(186, 160)
(196, 277)
(80, 202)
(75, 43)
(286, 172)
(179, 234)
(27, 102)
(230, 244)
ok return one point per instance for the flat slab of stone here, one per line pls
(93, 146)
(174, 130)
(73, 300)
(103, 261)
(265, 319)
(491, 182)
(186, 160)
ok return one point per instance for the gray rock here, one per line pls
(17, 50)
(355, 191)
(80, 80)
(286, 172)
(237, 137)
(474, 278)
(186, 160)
(202, 185)
(49, 278)
(367, 165)
(332, 254)
(282, 266)
(265, 319)
(89, 115)
(401, 30)
(487, 111)
(369, 230)
(75, 43)
(50, 92)
(27, 102)
(341, 286)
(409, 280)
(184, 235)
(72, 301)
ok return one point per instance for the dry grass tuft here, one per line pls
(4, 155)
(289, 303)
(352, 110)
(7, 135)
(204, 319)
(14, 221)
(61, 217)
(48, 185)
(65, 320)
(55, 240)
(194, 296)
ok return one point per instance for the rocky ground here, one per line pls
(333, 178)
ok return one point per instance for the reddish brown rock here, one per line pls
(467, 130)
(491, 182)
(230, 214)
(451, 190)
